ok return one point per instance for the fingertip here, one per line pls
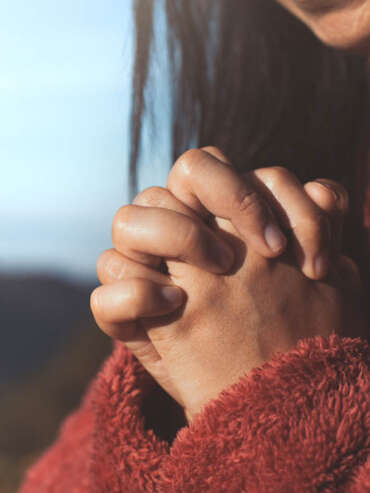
(275, 239)
(323, 196)
(172, 295)
(316, 269)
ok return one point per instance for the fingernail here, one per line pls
(222, 255)
(321, 266)
(172, 295)
(274, 238)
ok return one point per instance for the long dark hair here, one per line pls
(252, 80)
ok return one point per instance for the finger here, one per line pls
(145, 233)
(308, 223)
(333, 198)
(206, 184)
(218, 154)
(112, 266)
(117, 307)
(329, 195)
(163, 198)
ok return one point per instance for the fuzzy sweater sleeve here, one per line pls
(299, 423)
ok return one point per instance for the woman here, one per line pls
(297, 421)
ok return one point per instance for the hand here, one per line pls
(229, 325)
(259, 202)
(169, 346)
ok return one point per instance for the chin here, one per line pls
(343, 24)
(347, 28)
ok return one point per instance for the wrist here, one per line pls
(189, 416)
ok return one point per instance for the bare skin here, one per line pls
(344, 24)
(221, 326)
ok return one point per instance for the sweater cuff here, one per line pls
(301, 419)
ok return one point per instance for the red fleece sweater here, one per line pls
(300, 423)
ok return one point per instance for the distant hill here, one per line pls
(37, 317)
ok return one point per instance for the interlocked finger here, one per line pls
(112, 266)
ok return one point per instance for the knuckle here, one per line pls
(277, 174)
(110, 266)
(138, 294)
(281, 170)
(123, 217)
(276, 177)
(125, 214)
(151, 197)
(104, 257)
(102, 261)
(249, 202)
(185, 164)
(192, 238)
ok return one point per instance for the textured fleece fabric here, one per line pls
(300, 423)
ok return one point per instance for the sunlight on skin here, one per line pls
(339, 23)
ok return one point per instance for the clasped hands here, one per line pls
(213, 275)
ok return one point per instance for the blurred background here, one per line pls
(65, 94)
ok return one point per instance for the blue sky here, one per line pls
(65, 92)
